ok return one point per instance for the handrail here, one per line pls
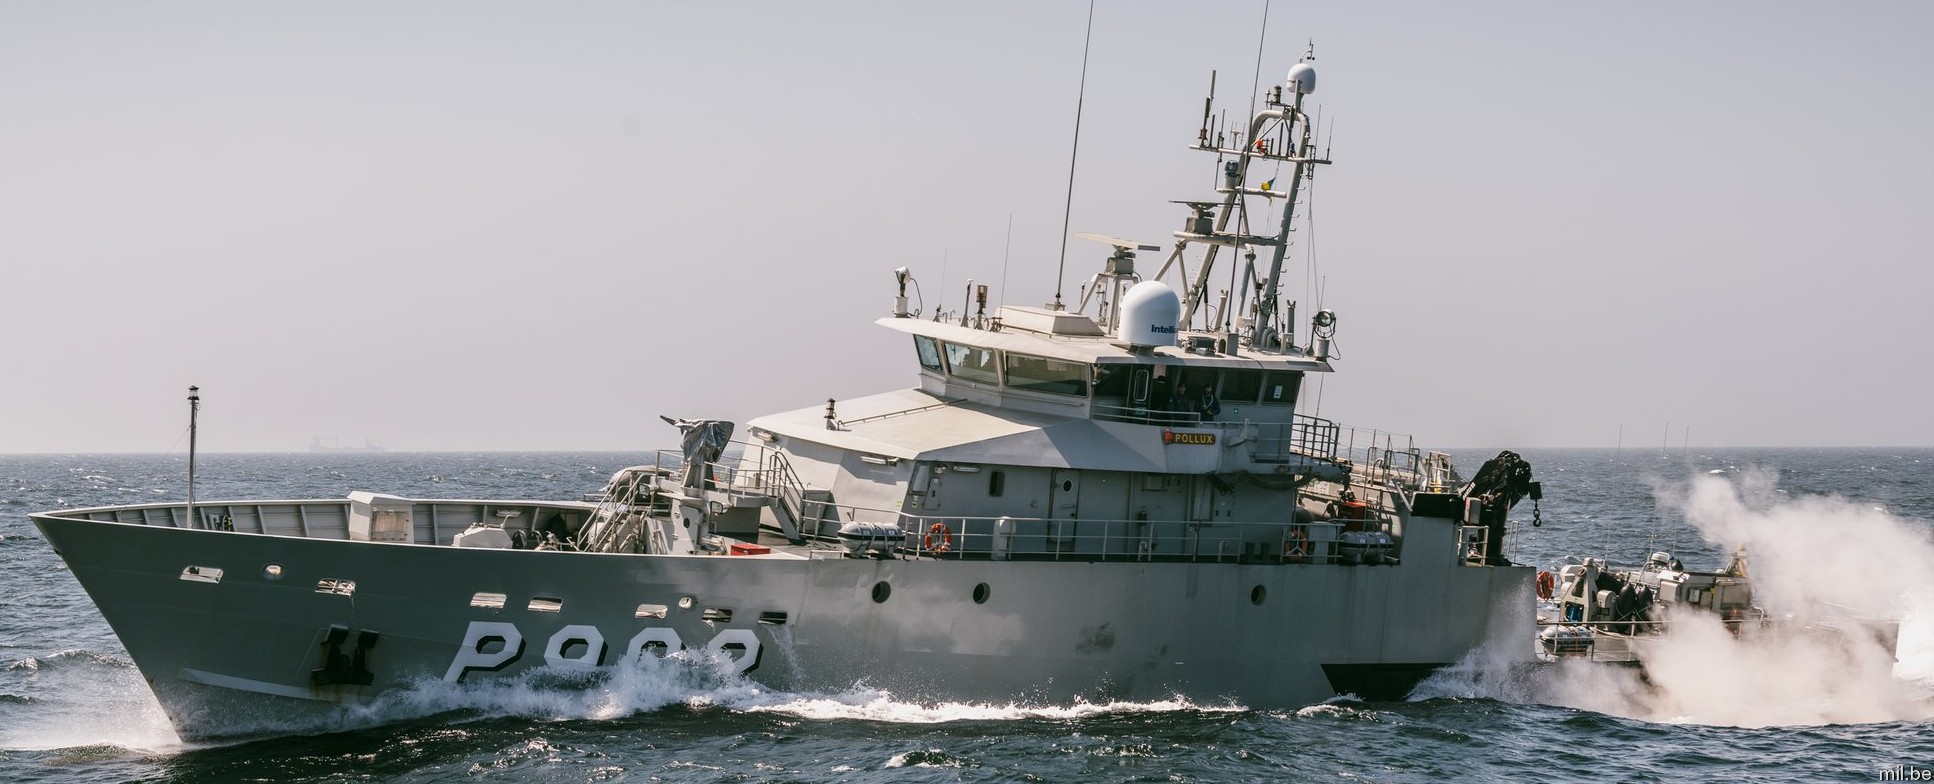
(1302, 436)
(792, 492)
(902, 412)
(1391, 467)
(1109, 539)
(1145, 415)
(1071, 540)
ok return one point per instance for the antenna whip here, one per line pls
(1067, 209)
(194, 409)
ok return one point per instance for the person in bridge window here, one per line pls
(1158, 397)
(1207, 405)
(1183, 402)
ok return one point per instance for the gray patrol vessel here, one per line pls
(1115, 500)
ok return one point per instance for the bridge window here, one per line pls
(929, 351)
(1040, 374)
(972, 363)
(1241, 386)
(1279, 387)
(1111, 381)
(1122, 391)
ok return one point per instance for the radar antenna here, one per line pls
(1116, 274)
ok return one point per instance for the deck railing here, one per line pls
(1000, 538)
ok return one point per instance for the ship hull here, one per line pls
(233, 647)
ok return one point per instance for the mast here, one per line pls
(1210, 222)
(1266, 307)
(194, 408)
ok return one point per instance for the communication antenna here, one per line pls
(1007, 251)
(1067, 210)
(1255, 82)
(194, 408)
(942, 306)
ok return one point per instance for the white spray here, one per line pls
(1813, 560)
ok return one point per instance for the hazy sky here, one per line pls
(472, 225)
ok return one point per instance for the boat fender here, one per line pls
(1626, 606)
(1546, 585)
(939, 538)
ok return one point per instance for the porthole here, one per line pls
(685, 602)
(981, 592)
(1257, 594)
(880, 591)
(272, 572)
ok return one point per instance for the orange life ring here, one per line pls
(946, 538)
(1547, 584)
(1296, 546)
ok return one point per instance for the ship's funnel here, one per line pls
(1149, 314)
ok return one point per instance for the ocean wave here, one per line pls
(687, 679)
(926, 758)
(69, 658)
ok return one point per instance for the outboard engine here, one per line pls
(879, 540)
